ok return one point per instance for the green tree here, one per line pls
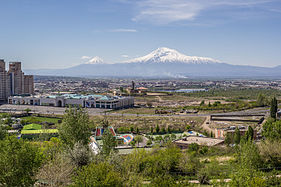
(202, 103)
(261, 100)
(19, 162)
(27, 110)
(101, 174)
(250, 133)
(169, 130)
(108, 143)
(138, 139)
(272, 129)
(237, 136)
(228, 139)
(193, 147)
(151, 130)
(163, 130)
(138, 131)
(132, 129)
(273, 108)
(75, 127)
(157, 129)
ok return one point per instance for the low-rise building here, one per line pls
(186, 141)
(74, 100)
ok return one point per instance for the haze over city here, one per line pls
(59, 34)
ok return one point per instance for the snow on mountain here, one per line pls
(166, 55)
(95, 60)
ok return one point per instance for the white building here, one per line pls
(75, 100)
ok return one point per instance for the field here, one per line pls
(41, 119)
(144, 124)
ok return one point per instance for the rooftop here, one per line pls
(200, 141)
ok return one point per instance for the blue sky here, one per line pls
(57, 33)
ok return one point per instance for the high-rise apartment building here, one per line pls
(17, 78)
(14, 82)
(28, 84)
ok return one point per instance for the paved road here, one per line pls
(97, 111)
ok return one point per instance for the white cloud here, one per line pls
(85, 57)
(125, 56)
(167, 11)
(123, 30)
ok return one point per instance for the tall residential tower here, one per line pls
(14, 82)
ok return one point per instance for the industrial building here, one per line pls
(14, 82)
(74, 100)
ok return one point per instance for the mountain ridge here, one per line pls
(163, 62)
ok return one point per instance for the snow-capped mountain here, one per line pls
(162, 62)
(166, 55)
(95, 60)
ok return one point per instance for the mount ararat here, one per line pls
(163, 62)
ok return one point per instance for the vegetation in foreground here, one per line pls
(67, 160)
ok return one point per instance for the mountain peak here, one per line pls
(167, 55)
(95, 60)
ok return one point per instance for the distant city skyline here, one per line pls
(60, 34)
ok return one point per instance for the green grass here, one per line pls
(32, 126)
(39, 131)
(40, 119)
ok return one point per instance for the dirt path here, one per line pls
(206, 124)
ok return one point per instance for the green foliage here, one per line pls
(273, 108)
(270, 151)
(19, 162)
(261, 100)
(248, 156)
(108, 143)
(123, 130)
(228, 139)
(101, 174)
(194, 147)
(51, 148)
(79, 155)
(272, 129)
(189, 164)
(237, 136)
(132, 129)
(157, 129)
(250, 133)
(149, 142)
(3, 133)
(27, 110)
(163, 130)
(138, 139)
(247, 177)
(75, 127)
(173, 137)
(169, 130)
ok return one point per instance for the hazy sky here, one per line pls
(58, 33)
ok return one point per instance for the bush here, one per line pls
(101, 174)
(19, 162)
